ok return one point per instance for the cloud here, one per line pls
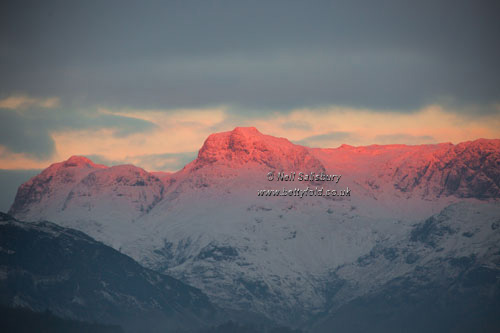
(21, 133)
(293, 124)
(330, 126)
(26, 130)
(153, 162)
(165, 140)
(22, 161)
(272, 55)
(401, 138)
(10, 180)
(330, 139)
(170, 141)
(153, 86)
(22, 102)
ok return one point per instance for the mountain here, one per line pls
(442, 276)
(19, 320)
(48, 267)
(285, 257)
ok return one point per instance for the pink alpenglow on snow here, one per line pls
(206, 224)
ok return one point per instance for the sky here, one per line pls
(145, 82)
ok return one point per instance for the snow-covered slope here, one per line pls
(274, 255)
(442, 276)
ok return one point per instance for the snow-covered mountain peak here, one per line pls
(52, 184)
(80, 161)
(245, 145)
(73, 165)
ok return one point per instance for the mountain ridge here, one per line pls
(276, 256)
(248, 147)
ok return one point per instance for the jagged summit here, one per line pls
(245, 145)
(76, 160)
(241, 139)
(53, 183)
(250, 130)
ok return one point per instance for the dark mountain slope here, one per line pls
(44, 266)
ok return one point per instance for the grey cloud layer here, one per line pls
(10, 180)
(162, 162)
(253, 55)
(29, 131)
(312, 141)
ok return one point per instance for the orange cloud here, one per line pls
(369, 127)
(183, 131)
(20, 102)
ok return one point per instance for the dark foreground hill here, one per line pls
(46, 267)
(19, 320)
